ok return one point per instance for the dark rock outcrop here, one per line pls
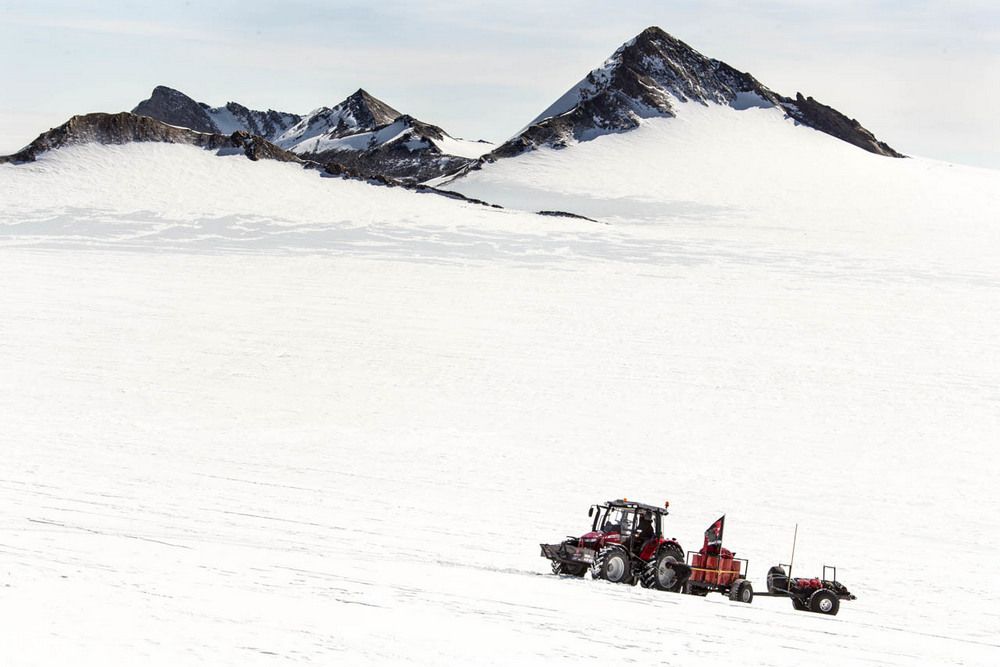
(809, 112)
(175, 108)
(127, 128)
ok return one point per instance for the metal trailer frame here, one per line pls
(732, 590)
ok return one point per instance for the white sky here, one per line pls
(923, 75)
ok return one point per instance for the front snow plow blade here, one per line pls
(567, 553)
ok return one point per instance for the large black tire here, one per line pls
(777, 579)
(659, 573)
(824, 601)
(673, 550)
(571, 569)
(612, 564)
(741, 591)
(648, 575)
(799, 605)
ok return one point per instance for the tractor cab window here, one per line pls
(618, 521)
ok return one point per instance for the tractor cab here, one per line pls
(635, 526)
(628, 535)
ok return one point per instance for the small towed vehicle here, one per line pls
(821, 595)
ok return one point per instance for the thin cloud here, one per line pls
(124, 27)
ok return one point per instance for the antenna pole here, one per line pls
(791, 564)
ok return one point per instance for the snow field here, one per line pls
(254, 416)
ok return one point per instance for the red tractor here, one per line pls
(625, 545)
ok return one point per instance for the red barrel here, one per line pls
(697, 562)
(712, 565)
(726, 576)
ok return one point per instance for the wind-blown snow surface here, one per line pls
(255, 416)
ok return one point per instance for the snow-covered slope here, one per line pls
(256, 416)
(760, 172)
(167, 195)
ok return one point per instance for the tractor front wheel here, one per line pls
(571, 569)
(824, 601)
(612, 564)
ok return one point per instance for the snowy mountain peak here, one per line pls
(369, 111)
(360, 112)
(652, 75)
(365, 134)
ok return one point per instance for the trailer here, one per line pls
(715, 569)
(718, 570)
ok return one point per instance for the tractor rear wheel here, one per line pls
(612, 563)
(824, 601)
(660, 572)
(572, 569)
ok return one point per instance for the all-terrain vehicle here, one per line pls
(816, 594)
(625, 545)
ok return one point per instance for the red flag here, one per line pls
(713, 536)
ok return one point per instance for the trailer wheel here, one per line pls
(571, 569)
(612, 563)
(741, 591)
(824, 601)
(799, 605)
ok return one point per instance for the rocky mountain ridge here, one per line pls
(128, 128)
(652, 75)
(175, 108)
(361, 133)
